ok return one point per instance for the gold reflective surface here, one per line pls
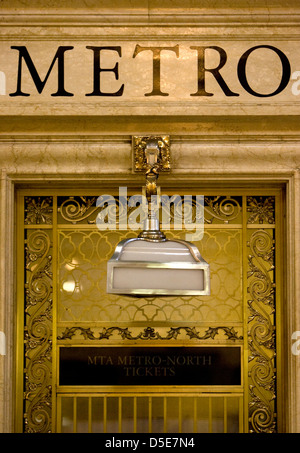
(62, 300)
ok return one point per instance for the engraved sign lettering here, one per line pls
(150, 365)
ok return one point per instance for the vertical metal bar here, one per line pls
(241, 415)
(179, 414)
(20, 315)
(279, 258)
(150, 413)
(74, 414)
(165, 414)
(134, 414)
(195, 414)
(58, 424)
(104, 414)
(225, 413)
(120, 413)
(245, 311)
(210, 414)
(55, 367)
(90, 414)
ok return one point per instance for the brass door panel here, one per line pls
(62, 301)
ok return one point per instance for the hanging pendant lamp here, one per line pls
(151, 264)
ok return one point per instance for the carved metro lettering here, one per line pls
(40, 84)
(198, 61)
(98, 70)
(286, 71)
(156, 51)
(215, 71)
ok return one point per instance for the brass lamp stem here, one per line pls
(151, 227)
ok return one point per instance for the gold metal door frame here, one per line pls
(263, 381)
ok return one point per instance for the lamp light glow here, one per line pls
(168, 267)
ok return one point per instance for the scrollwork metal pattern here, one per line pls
(261, 331)
(218, 209)
(77, 209)
(82, 260)
(149, 333)
(38, 332)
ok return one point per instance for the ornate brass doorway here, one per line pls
(62, 303)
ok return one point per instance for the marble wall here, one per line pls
(217, 140)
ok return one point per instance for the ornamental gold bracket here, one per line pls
(151, 154)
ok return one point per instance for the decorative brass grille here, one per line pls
(150, 413)
(38, 332)
(64, 301)
(261, 325)
(82, 263)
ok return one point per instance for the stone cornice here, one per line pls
(127, 27)
(206, 18)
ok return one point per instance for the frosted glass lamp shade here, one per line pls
(144, 267)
